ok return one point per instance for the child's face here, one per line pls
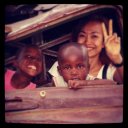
(91, 36)
(30, 62)
(73, 67)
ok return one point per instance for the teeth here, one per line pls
(89, 48)
(32, 67)
(75, 79)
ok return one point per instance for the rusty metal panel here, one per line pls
(57, 15)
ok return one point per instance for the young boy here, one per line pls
(73, 66)
(28, 63)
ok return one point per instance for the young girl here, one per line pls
(104, 48)
(28, 63)
(73, 66)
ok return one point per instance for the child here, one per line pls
(28, 63)
(72, 66)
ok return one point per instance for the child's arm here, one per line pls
(76, 84)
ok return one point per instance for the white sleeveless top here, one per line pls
(59, 81)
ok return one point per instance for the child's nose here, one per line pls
(74, 71)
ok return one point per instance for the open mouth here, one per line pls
(33, 67)
(75, 79)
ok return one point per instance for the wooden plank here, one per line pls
(58, 97)
(91, 104)
(69, 115)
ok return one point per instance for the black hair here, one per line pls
(92, 18)
(76, 45)
(83, 22)
(24, 48)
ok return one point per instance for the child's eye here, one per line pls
(80, 66)
(33, 58)
(39, 59)
(28, 57)
(67, 68)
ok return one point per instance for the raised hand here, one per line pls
(112, 43)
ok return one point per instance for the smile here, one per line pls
(89, 48)
(32, 67)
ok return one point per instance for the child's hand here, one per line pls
(112, 43)
(76, 84)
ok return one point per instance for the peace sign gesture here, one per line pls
(112, 43)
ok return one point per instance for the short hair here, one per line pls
(24, 48)
(82, 48)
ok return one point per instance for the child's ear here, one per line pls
(58, 68)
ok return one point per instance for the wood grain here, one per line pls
(91, 104)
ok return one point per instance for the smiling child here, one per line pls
(28, 63)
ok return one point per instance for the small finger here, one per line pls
(110, 27)
(69, 84)
(115, 35)
(104, 31)
(118, 39)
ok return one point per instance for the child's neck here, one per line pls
(20, 81)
